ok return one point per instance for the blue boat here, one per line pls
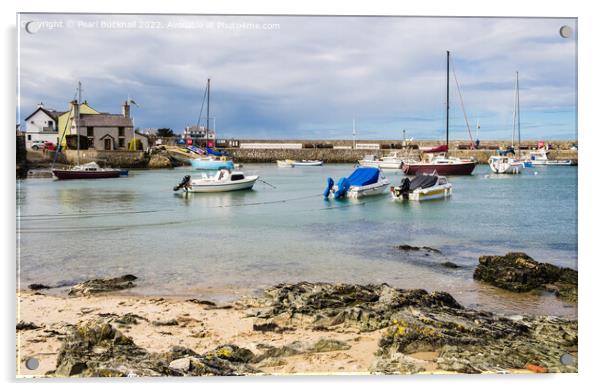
(205, 163)
(364, 181)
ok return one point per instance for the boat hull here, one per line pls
(308, 163)
(244, 184)
(463, 168)
(428, 194)
(70, 174)
(207, 164)
(355, 192)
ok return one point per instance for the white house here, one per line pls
(41, 126)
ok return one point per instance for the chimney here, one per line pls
(75, 108)
(126, 109)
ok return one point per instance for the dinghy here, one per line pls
(422, 187)
(307, 163)
(364, 181)
(223, 180)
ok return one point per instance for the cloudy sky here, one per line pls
(307, 77)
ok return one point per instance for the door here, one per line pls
(108, 144)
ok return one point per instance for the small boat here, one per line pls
(422, 187)
(285, 163)
(307, 163)
(540, 158)
(364, 181)
(222, 181)
(123, 172)
(390, 162)
(211, 163)
(87, 171)
(505, 165)
(369, 161)
(440, 163)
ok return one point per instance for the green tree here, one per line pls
(165, 132)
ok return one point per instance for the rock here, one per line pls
(465, 340)
(170, 322)
(329, 345)
(159, 161)
(129, 318)
(450, 265)
(38, 287)
(98, 349)
(100, 285)
(518, 272)
(202, 302)
(396, 364)
(407, 247)
(181, 364)
(22, 325)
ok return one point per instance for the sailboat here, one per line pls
(89, 170)
(210, 161)
(441, 163)
(502, 163)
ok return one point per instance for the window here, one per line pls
(29, 137)
(90, 142)
(90, 131)
(121, 131)
(121, 142)
(50, 124)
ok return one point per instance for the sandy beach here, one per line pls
(359, 339)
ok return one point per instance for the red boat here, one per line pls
(440, 165)
(87, 171)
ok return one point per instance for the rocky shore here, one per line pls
(293, 328)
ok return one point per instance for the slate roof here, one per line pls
(51, 113)
(105, 120)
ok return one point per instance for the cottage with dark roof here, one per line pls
(41, 127)
(104, 131)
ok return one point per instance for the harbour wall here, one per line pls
(125, 159)
(331, 155)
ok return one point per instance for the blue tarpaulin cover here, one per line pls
(363, 176)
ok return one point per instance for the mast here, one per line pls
(518, 113)
(208, 99)
(514, 115)
(77, 119)
(354, 133)
(447, 107)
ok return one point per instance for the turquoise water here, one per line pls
(224, 245)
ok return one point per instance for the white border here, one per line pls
(590, 128)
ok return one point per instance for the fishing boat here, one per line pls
(222, 181)
(89, 170)
(307, 163)
(363, 182)
(502, 163)
(540, 158)
(436, 159)
(422, 187)
(285, 163)
(211, 163)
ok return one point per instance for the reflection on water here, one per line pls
(226, 244)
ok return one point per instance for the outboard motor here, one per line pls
(342, 188)
(329, 185)
(185, 182)
(404, 189)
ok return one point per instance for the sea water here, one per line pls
(224, 245)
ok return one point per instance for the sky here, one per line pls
(288, 77)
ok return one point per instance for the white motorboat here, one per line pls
(307, 163)
(505, 165)
(369, 161)
(422, 187)
(223, 180)
(285, 163)
(363, 182)
(540, 158)
(391, 162)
